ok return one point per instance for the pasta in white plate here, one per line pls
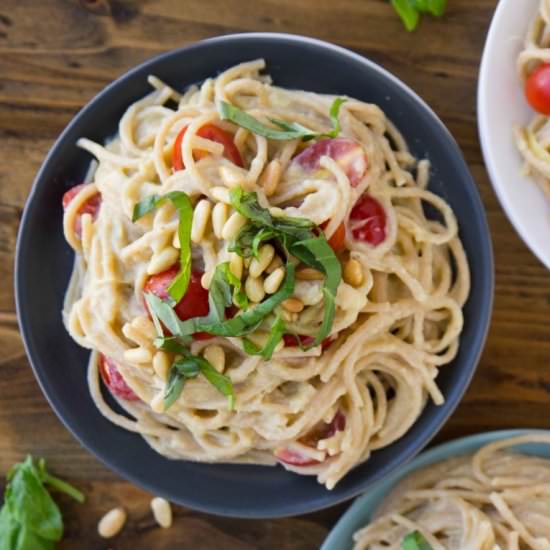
(533, 140)
(497, 498)
(257, 278)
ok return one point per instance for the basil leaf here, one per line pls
(59, 484)
(169, 343)
(407, 11)
(435, 7)
(415, 541)
(148, 204)
(325, 261)
(178, 287)
(162, 311)
(278, 329)
(30, 504)
(189, 367)
(244, 120)
(334, 112)
(222, 383)
(287, 130)
(246, 204)
(10, 530)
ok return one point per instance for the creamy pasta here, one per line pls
(494, 499)
(346, 301)
(533, 140)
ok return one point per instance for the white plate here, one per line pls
(502, 105)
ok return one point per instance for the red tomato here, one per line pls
(537, 89)
(193, 304)
(346, 152)
(368, 220)
(113, 379)
(292, 340)
(91, 206)
(337, 239)
(213, 133)
(323, 431)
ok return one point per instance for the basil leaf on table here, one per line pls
(287, 130)
(409, 10)
(415, 541)
(178, 287)
(29, 518)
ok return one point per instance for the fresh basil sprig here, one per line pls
(287, 130)
(189, 366)
(415, 541)
(219, 298)
(30, 519)
(297, 237)
(278, 329)
(178, 287)
(410, 10)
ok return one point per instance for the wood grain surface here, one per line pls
(55, 55)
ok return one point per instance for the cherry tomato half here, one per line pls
(537, 89)
(113, 379)
(213, 133)
(91, 206)
(323, 431)
(338, 238)
(346, 152)
(193, 304)
(368, 220)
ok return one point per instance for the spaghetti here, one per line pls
(495, 498)
(316, 379)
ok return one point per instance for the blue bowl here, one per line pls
(360, 513)
(44, 263)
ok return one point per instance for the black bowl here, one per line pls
(44, 263)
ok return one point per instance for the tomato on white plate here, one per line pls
(537, 89)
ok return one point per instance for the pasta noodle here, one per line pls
(496, 498)
(533, 141)
(317, 410)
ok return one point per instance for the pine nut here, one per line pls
(309, 274)
(206, 279)
(162, 511)
(219, 217)
(231, 177)
(270, 177)
(258, 265)
(164, 259)
(221, 194)
(275, 263)
(236, 265)
(294, 305)
(273, 281)
(138, 355)
(276, 212)
(144, 325)
(157, 403)
(288, 317)
(232, 226)
(161, 365)
(111, 523)
(201, 215)
(215, 355)
(176, 241)
(254, 289)
(353, 273)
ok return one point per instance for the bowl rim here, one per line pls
(512, 213)
(435, 424)
(367, 503)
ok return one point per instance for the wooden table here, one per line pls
(55, 55)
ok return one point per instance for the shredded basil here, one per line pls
(178, 287)
(287, 130)
(188, 366)
(278, 329)
(297, 237)
(415, 541)
(409, 10)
